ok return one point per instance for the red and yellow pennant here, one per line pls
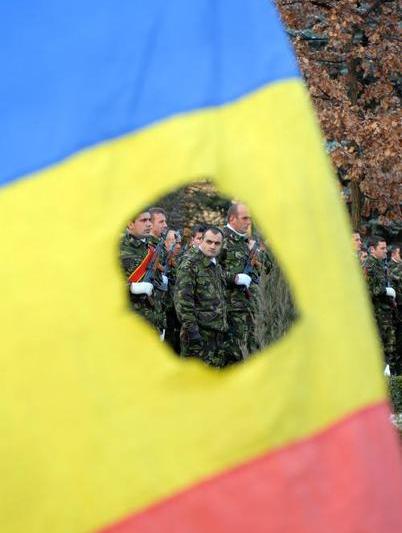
(141, 269)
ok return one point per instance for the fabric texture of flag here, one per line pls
(105, 107)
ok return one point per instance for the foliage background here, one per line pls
(349, 55)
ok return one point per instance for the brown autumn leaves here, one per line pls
(349, 54)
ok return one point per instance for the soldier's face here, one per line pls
(141, 226)
(357, 241)
(242, 221)
(196, 240)
(211, 244)
(396, 255)
(380, 251)
(159, 224)
(363, 256)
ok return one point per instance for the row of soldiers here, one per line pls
(200, 297)
(384, 279)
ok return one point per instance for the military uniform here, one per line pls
(395, 278)
(132, 253)
(376, 274)
(233, 258)
(200, 305)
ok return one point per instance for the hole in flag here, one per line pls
(199, 271)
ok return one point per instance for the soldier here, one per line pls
(234, 257)
(158, 232)
(357, 242)
(363, 254)
(195, 240)
(395, 278)
(383, 298)
(200, 302)
(197, 234)
(159, 223)
(134, 257)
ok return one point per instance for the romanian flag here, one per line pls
(106, 106)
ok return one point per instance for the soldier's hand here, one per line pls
(390, 292)
(243, 279)
(142, 287)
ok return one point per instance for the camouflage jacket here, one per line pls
(395, 278)
(233, 258)
(376, 275)
(132, 252)
(199, 294)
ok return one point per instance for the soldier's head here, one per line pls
(170, 239)
(196, 235)
(395, 250)
(141, 225)
(211, 242)
(158, 219)
(356, 241)
(238, 216)
(378, 247)
(363, 253)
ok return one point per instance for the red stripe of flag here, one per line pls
(347, 479)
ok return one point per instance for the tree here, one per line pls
(348, 52)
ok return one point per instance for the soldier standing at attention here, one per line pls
(195, 240)
(357, 242)
(200, 301)
(234, 256)
(383, 298)
(158, 232)
(395, 277)
(135, 255)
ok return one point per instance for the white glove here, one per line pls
(142, 287)
(165, 280)
(243, 279)
(391, 292)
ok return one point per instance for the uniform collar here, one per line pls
(207, 261)
(244, 235)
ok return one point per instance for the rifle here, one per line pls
(152, 266)
(169, 258)
(249, 266)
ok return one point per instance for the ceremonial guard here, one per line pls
(383, 298)
(234, 259)
(200, 302)
(135, 257)
(395, 278)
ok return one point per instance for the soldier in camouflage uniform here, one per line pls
(158, 232)
(195, 240)
(134, 247)
(200, 302)
(383, 298)
(234, 257)
(395, 278)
